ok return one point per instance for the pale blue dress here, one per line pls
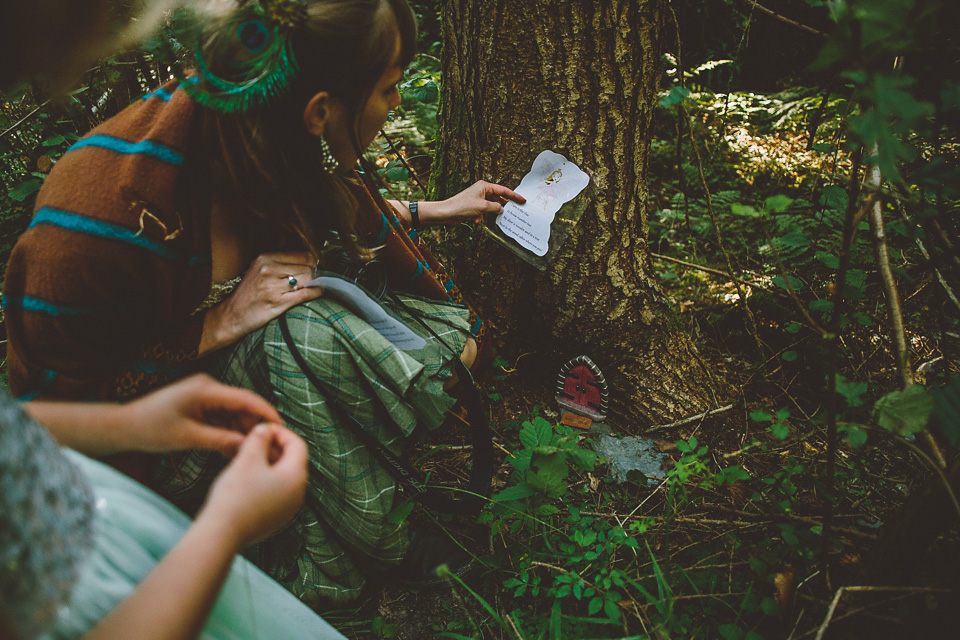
(76, 537)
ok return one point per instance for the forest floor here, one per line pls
(727, 541)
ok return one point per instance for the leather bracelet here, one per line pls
(414, 207)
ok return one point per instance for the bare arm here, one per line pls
(472, 203)
(197, 412)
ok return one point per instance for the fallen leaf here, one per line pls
(783, 582)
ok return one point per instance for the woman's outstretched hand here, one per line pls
(474, 202)
(272, 284)
(263, 486)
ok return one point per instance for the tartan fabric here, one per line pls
(343, 532)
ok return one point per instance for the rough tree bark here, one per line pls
(579, 77)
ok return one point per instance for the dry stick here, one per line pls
(784, 19)
(842, 590)
(892, 297)
(716, 272)
(851, 219)
(716, 227)
(24, 119)
(923, 250)
(688, 420)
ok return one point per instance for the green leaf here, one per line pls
(945, 418)
(779, 430)
(904, 412)
(675, 96)
(53, 141)
(516, 492)
(548, 473)
(789, 356)
(770, 607)
(24, 190)
(595, 605)
(521, 459)
(744, 210)
(851, 391)
(611, 609)
(777, 203)
(795, 240)
(822, 305)
(760, 415)
(830, 260)
(854, 435)
(397, 174)
(795, 283)
(792, 327)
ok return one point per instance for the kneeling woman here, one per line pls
(136, 269)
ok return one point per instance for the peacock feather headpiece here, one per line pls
(245, 58)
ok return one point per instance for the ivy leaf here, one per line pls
(904, 412)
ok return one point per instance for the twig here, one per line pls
(891, 294)
(784, 19)
(684, 421)
(716, 228)
(715, 272)
(851, 589)
(24, 119)
(923, 250)
(513, 625)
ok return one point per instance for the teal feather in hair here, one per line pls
(261, 59)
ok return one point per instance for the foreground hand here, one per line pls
(474, 202)
(265, 292)
(196, 413)
(263, 487)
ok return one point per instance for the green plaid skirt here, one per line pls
(343, 532)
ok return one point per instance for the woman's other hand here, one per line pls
(272, 284)
(196, 413)
(263, 486)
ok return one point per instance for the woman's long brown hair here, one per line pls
(266, 165)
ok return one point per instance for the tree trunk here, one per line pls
(579, 77)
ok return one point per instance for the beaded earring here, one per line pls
(327, 161)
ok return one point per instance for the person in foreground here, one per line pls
(213, 201)
(87, 552)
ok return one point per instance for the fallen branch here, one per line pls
(867, 588)
(716, 272)
(776, 16)
(680, 423)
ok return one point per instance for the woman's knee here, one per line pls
(469, 354)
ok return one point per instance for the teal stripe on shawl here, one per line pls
(150, 148)
(158, 368)
(381, 238)
(47, 380)
(79, 223)
(39, 305)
